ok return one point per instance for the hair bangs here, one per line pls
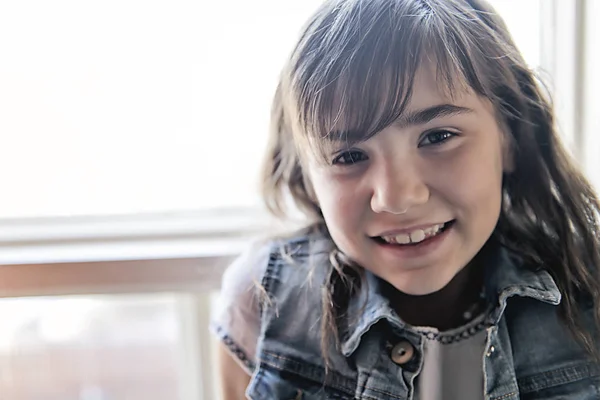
(352, 72)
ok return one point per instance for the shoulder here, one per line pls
(246, 269)
(547, 357)
(297, 263)
(271, 264)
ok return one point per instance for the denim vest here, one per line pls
(529, 353)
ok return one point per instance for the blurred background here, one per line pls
(131, 133)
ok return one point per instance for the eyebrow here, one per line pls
(421, 117)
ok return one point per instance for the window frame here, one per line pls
(178, 251)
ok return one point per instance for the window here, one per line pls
(91, 348)
(153, 346)
(131, 106)
(131, 136)
(124, 107)
(524, 21)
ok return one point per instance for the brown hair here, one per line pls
(354, 66)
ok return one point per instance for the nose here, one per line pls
(398, 187)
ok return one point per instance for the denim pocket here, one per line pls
(577, 382)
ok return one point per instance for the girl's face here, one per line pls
(416, 202)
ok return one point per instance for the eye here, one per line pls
(349, 157)
(436, 138)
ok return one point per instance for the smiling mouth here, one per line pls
(415, 237)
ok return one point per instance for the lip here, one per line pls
(410, 229)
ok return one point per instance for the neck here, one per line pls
(445, 308)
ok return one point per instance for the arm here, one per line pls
(236, 322)
(233, 379)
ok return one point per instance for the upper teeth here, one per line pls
(416, 236)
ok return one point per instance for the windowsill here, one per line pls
(200, 234)
(170, 252)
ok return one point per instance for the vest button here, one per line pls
(402, 352)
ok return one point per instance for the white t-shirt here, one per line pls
(453, 363)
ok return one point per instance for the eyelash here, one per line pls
(447, 135)
(354, 156)
(349, 153)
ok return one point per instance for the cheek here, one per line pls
(472, 182)
(341, 203)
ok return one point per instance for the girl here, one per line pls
(452, 248)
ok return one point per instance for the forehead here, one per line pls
(428, 90)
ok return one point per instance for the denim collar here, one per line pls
(506, 276)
